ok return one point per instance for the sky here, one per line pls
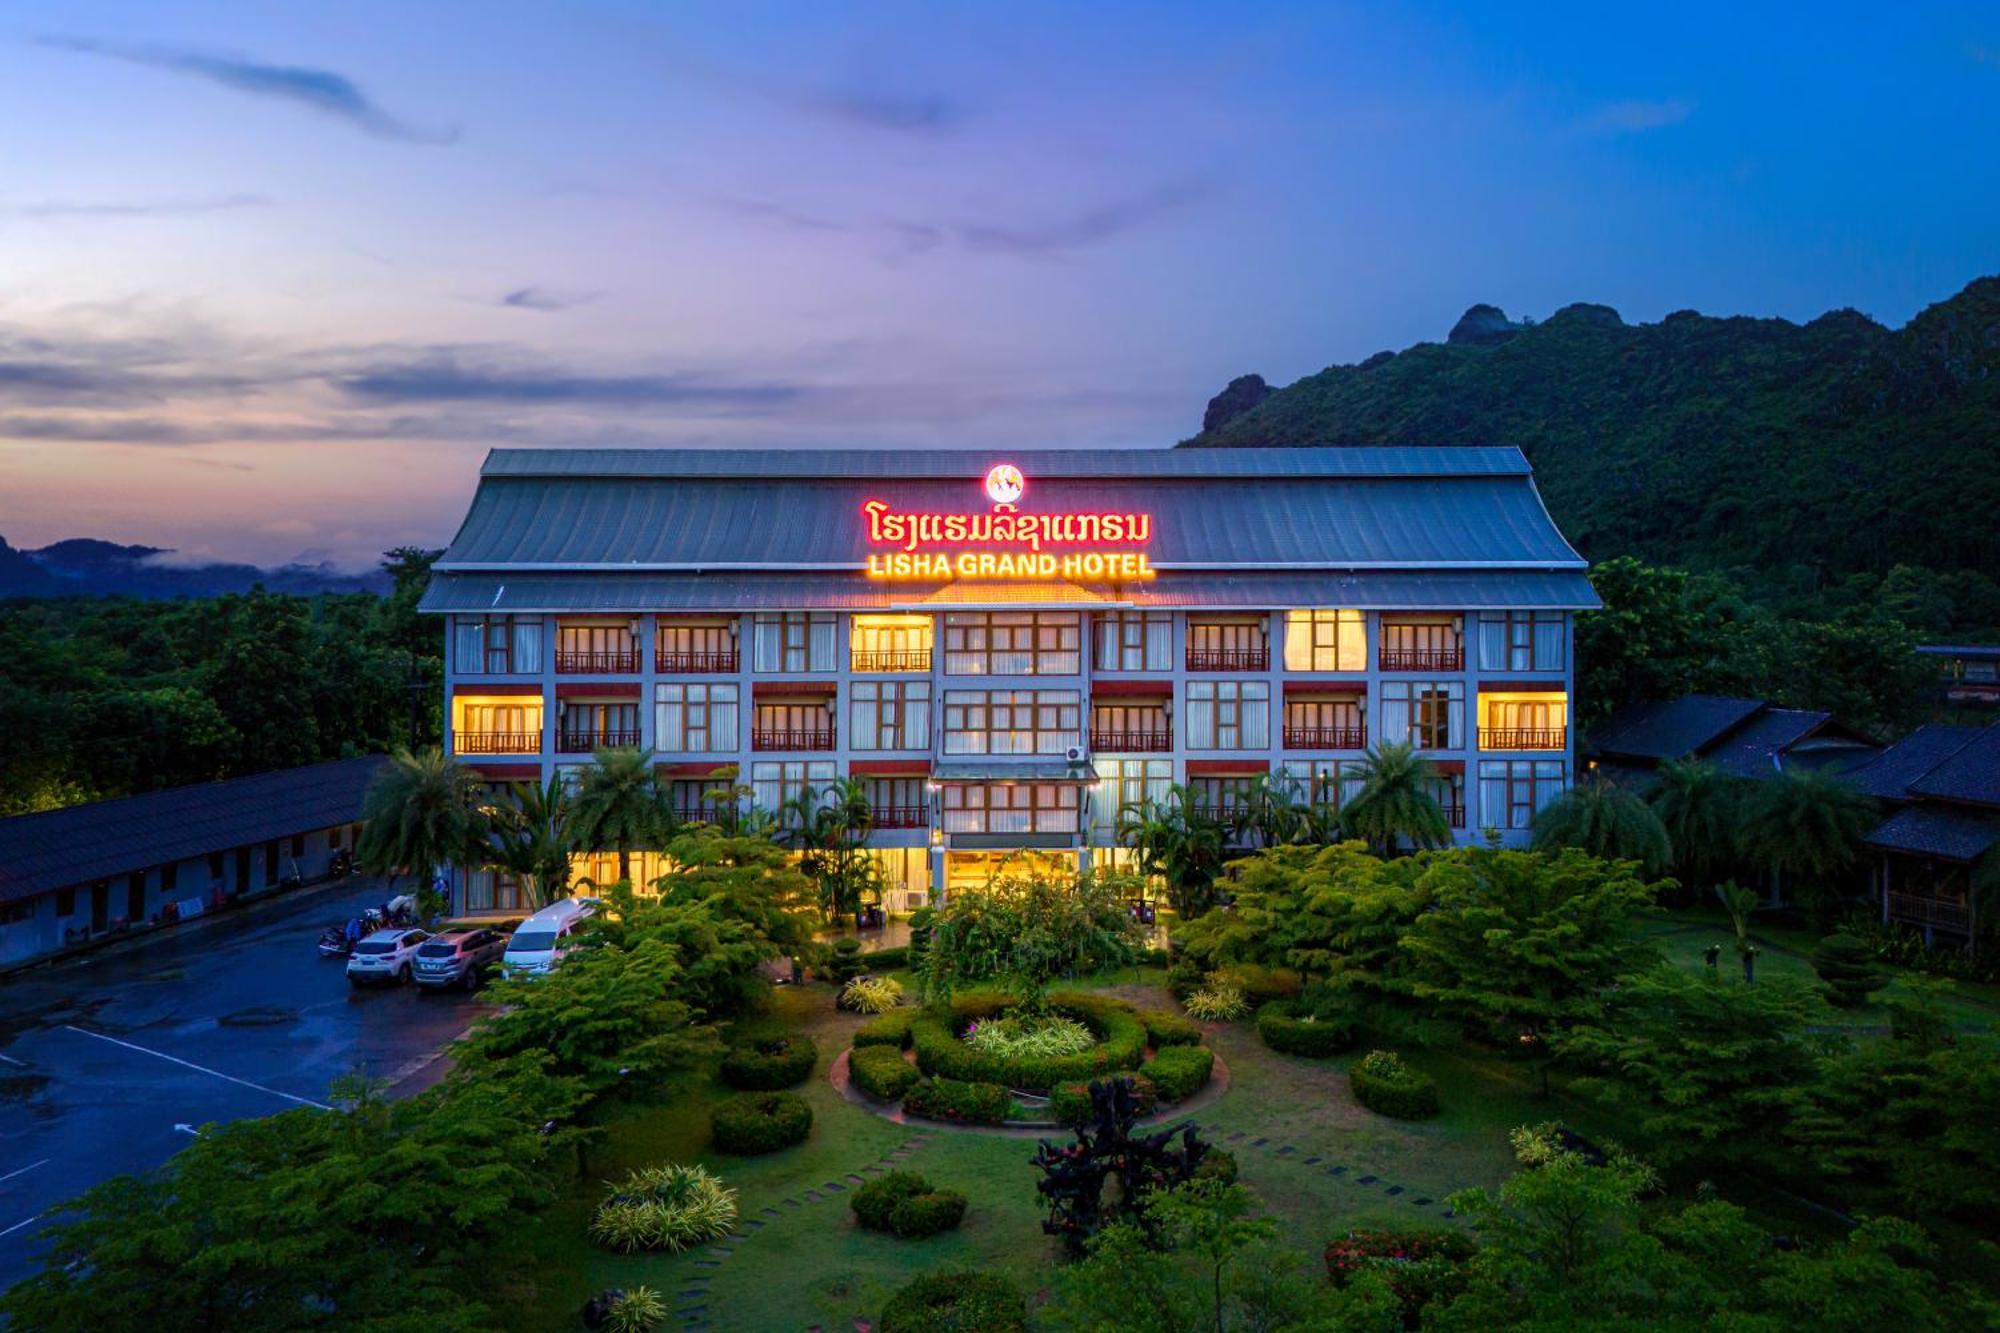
(274, 276)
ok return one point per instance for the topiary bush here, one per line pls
(888, 960)
(955, 1099)
(1121, 1043)
(1179, 1072)
(1260, 985)
(1164, 1028)
(1387, 1086)
(881, 1071)
(904, 1204)
(844, 963)
(891, 1029)
(956, 1302)
(663, 1208)
(875, 1202)
(1286, 1030)
(1069, 1103)
(758, 1123)
(1848, 968)
(766, 1064)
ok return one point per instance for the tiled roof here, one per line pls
(1928, 830)
(1671, 728)
(79, 844)
(1889, 774)
(1755, 749)
(1970, 773)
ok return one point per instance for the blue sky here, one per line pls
(276, 275)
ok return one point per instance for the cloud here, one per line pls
(319, 90)
(1635, 117)
(922, 113)
(136, 208)
(541, 298)
(441, 378)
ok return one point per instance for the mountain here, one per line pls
(87, 567)
(1790, 454)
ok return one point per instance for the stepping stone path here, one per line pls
(1338, 1171)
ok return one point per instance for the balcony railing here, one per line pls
(1131, 740)
(1326, 738)
(586, 742)
(1454, 815)
(496, 742)
(901, 816)
(597, 664)
(1523, 738)
(1229, 659)
(677, 663)
(791, 738)
(1423, 659)
(1919, 910)
(699, 813)
(885, 659)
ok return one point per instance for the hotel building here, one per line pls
(1009, 649)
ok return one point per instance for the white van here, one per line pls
(542, 940)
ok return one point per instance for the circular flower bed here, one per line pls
(956, 1302)
(663, 1208)
(760, 1123)
(1387, 1086)
(1292, 1028)
(1017, 1059)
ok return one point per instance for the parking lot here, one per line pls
(108, 1063)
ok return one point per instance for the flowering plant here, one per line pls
(1419, 1266)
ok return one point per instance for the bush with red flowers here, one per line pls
(1419, 1266)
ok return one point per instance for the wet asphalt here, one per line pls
(108, 1062)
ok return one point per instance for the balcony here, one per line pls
(1454, 814)
(718, 663)
(1326, 738)
(1523, 738)
(1423, 659)
(1229, 659)
(597, 664)
(791, 738)
(588, 742)
(1131, 740)
(1933, 913)
(496, 742)
(901, 816)
(890, 659)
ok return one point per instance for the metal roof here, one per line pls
(1971, 773)
(80, 844)
(1889, 774)
(1671, 728)
(1384, 590)
(1926, 830)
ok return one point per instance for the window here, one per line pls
(1228, 715)
(497, 645)
(1325, 641)
(1012, 643)
(498, 727)
(890, 643)
(694, 647)
(793, 643)
(66, 902)
(1013, 807)
(1223, 795)
(889, 715)
(1429, 714)
(774, 784)
(492, 890)
(1423, 645)
(1448, 790)
(1522, 641)
(12, 914)
(1238, 644)
(596, 648)
(1012, 721)
(1332, 782)
(1511, 791)
(1524, 721)
(898, 802)
(695, 718)
(1331, 722)
(590, 726)
(1135, 725)
(298, 845)
(170, 878)
(215, 866)
(1135, 641)
(1124, 784)
(698, 799)
(793, 724)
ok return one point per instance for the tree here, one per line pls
(620, 805)
(754, 903)
(263, 681)
(1177, 840)
(422, 812)
(1606, 821)
(829, 826)
(532, 838)
(1394, 804)
(1026, 929)
(1698, 807)
(1806, 825)
(1848, 968)
(1660, 633)
(1740, 903)
(1336, 911)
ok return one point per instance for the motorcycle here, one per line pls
(333, 943)
(340, 865)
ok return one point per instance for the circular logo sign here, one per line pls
(1004, 484)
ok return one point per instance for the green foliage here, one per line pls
(1808, 825)
(758, 1123)
(639, 1310)
(1394, 806)
(1218, 1003)
(1384, 1084)
(531, 838)
(955, 1099)
(1421, 1267)
(956, 1302)
(1294, 1029)
(843, 963)
(1179, 1072)
(1070, 1104)
(1176, 839)
(1848, 968)
(1326, 910)
(871, 995)
(1027, 929)
(1120, 1044)
(1259, 984)
(669, 1208)
(1164, 1028)
(768, 1063)
(423, 810)
(1699, 809)
(881, 1071)
(890, 1029)
(875, 1202)
(829, 827)
(1032, 1036)
(621, 805)
(1606, 821)
(907, 1206)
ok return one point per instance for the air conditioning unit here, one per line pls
(1077, 754)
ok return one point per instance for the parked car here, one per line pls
(384, 957)
(546, 936)
(458, 957)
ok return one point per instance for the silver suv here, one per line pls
(458, 957)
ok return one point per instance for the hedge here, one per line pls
(904, 1204)
(760, 1122)
(1384, 1084)
(1286, 1030)
(1164, 1028)
(953, 1099)
(1260, 985)
(881, 1071)
(771, 1063)
(890, 1029)
(887, 960)
(1070, 1102)
(1179, 1072)
(1121, 1045)
(956, 1302)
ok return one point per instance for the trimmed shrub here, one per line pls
(881, 1071)
(769, 1064)
(1164, 1028)
(890, 1029)
(956, 1302)
(980, 1002)
(1387, 1086)
(1284, 1029)
(844, 963)
(1120, 1046)
(758, 1123)
(1179, 1072)
(888, 960)
(1848, 968)
(663, 1208)
(1261, 985)
(1155, 957)
(1184, 978)
(954, 1099)
(1217, 1164)
(927, 1214)
(1420, 1267)
(871, 995)
(1070, 1102)
(875, 1203)
(1218, 1004)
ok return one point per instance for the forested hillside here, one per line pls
(1794, 457)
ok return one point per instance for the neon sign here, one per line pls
(931, 545)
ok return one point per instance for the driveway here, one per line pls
(108, 1063)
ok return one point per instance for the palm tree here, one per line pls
(1178, 842)
(621, 805)
(1394, 803)
(827, 826)
(1805, 823)
(533, 839)
(1274, 813)
(422, 811)
(1699, 807)
(1605, 821)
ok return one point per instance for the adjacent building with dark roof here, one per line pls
(1942, 785)
(1747, 738)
